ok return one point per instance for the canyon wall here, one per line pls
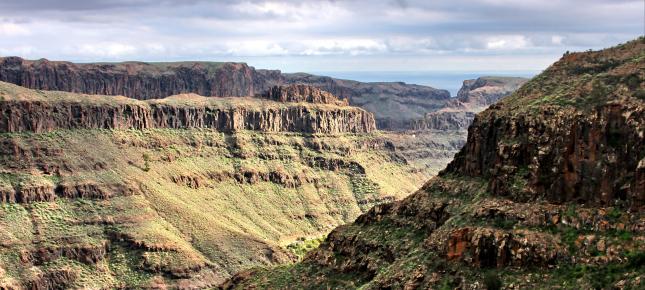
(50, 111)
(391, 102)
(474, 96)
(136, 80)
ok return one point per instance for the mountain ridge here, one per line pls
(543, 194)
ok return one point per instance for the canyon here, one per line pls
(183, 192)
(179, 175)
(548, 192)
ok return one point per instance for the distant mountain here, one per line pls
(474, 96)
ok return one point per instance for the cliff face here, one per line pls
(51, 111)
(133, 79)
(302, 93)
(443, 120)
(392, 103)
(564, 155)
(547, 193)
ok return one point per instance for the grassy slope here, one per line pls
(224, 226)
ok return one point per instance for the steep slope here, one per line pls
(110, 192)
(548, 192)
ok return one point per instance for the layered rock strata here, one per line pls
(66, 111)
(141, 80)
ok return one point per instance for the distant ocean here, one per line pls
(451, 80)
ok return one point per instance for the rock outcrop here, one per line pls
(482, 92)
(47, 111)
(473, 97)
(547, 193)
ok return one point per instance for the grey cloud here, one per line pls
(200, 29)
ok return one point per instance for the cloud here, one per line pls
(13, 29)
(358, 31)
(507, 42)
(105, 49)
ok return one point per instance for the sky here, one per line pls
(318, 36)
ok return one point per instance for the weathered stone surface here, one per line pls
(488, 248)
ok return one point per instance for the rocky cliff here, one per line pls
(134, 79)
(392, 103)
(26, 110)
(546, 193)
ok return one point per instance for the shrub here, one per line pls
(146, 162)
(492, 281)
